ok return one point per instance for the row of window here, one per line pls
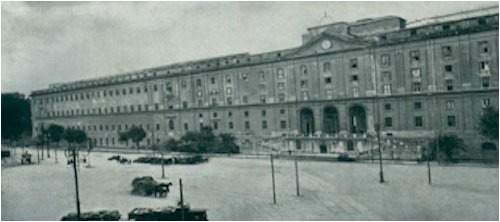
(419, 121)
(416, 87)
(99, 93)
(105, 110)
(450, 104)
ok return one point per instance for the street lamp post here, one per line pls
(377, 128)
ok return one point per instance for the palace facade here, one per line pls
(327, 95)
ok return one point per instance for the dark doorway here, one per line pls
(330, 120)
(306, 121)
(322, 148)
(357, 119)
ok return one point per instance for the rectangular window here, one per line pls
(157, 106)
(281, 86)
(449, 84)
(448, 68)
(329, 93)
(283, 124)
(155, 87)
(124, 91)
(354, 63)
(486, 103)
(303, 84)
(281, 73)
(264, 124)
(305, 95)
(416, 74)
(169, 87)
(387, 106)
(138, 90)
(485, 81)
(212, 80)
(355, 91)
(419, 121)
(216, 125)
(157, 126)
(446, 51)
(485, 66)
(413, 32)
(387, 89)
(281, 97)
(246, 113)
(416, 87)
(228, 79)
(450, 104)
(200, 103)
(184, 104)
(229, 101)
(282, 111)
(385, 60)
(244, 77)
(262, 76)
(131, 90)
(247, 125)
(415, 56)
(483, 47)
(245, 99)
(387, 76)
(451, 121)
(230, 125)
(214, 102)
(326, 67)
(229, 114)
(328, 80)
(417, 105)
(388, 122)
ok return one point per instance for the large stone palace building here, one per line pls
(417, 81)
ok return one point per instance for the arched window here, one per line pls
(171, 124)
(303, 70)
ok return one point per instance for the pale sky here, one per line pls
(48, 42)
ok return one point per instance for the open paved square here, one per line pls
(241, 189)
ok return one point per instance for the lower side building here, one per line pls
(407, 123)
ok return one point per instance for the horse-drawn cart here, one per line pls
(26, 158)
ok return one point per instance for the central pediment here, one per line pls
(329, 42)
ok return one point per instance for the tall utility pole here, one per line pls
(272, 174)
(297, 176)
(182, 199)
(76, 185)
(377, 128)
(428, 165)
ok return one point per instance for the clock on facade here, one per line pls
(326, 44)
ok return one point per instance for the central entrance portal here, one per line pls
(306, 121)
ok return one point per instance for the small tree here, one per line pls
(488, 124)
(449, 145)
(228, 144)
(55, 134)
(136, 134)
(123, 137)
